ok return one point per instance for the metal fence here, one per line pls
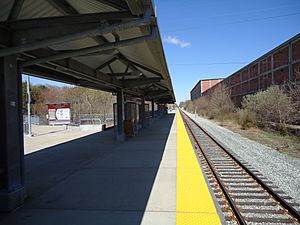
(34, 119)
(96, 119)
(82, 119)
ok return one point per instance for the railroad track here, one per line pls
(244, 195)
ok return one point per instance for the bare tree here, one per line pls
(220, 101)
(202, 105)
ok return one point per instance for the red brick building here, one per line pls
(278, 66)
(202, 86)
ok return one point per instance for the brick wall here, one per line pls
(278, 66)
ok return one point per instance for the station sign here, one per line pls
(59, 113)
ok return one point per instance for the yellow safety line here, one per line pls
(194, 204)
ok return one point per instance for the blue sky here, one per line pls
(211, 39)
(220, 31)
(36, 80)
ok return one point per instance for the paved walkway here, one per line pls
(95, 180)
(47, 136)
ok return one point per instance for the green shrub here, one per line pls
(229, 116)
(282, 129)
(272, 104)
(246, 118)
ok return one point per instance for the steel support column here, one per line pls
(12, 190)
(159, 110)
(120, 135)
(143, 115)
(153, 111)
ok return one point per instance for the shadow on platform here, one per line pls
(92, 180)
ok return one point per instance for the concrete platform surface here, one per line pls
(45, 136)
(95, 180)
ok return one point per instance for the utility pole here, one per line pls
(28, 106)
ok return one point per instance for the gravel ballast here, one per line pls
(283, 170)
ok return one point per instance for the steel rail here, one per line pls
(291, 210)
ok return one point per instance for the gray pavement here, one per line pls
(95, 180)
(45, 136)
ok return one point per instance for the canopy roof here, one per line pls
(102, 44)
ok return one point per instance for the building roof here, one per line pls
(101, 44)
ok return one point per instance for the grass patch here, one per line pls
(287, 144)
(225, 117)
(262, 117)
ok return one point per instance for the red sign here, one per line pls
(59, 113)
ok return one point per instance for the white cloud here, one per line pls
(175, 41)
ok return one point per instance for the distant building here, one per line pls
(202, 86)
(279, 66)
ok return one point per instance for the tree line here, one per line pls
(276, 104)
(82, 100)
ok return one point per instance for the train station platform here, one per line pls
(148, 179)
